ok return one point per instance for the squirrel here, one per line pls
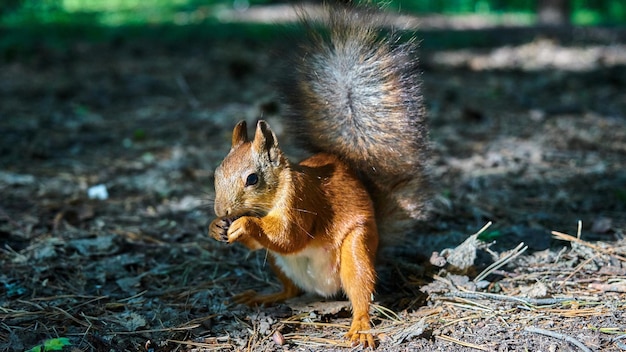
(355, 99)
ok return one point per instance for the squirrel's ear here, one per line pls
(265, 142)
(240, 134)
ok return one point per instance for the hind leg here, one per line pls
(358, 277)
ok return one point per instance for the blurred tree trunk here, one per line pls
(553, 12)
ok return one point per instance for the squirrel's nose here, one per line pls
(221, 210)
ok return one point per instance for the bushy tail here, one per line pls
(357, 94)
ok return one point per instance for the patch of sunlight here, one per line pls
(119, 5)
(123, 12)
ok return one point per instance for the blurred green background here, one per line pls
(29, 25)
(125, 12)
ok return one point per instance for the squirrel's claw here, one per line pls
(219, 229)
(237, 228)
(358, 337)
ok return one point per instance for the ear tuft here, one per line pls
(240, 134)
(265, 142)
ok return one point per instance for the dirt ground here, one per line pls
(530, 137)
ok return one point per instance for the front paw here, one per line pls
(219, 229)
(236, 230)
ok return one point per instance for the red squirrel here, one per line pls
(355, 100)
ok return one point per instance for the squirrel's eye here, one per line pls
(252, 179)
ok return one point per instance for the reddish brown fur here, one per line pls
(319, 203)
(355, 99)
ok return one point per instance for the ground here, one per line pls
(530, 136)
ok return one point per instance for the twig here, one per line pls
(566, 237)
(529, 301)
(148, 331)
(462, 343)
(471, 305)
(206, 346)
(559, 336)
(310, 340)
(484, 228)
(340, 326)
(132, 297)
(68, 315)
(469, 317)
(502, 261)
(386, 312)
(578, 268)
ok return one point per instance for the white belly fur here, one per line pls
(313, 270)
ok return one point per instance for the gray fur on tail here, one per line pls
(357, 94)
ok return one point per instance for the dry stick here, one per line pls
(529, 301)
(559, 336)
(386, 312)
(308, 340)
(207, 346)
(484, 228)
(469, 317)
(71, 317)
(501, 262)
(579, 230)
(340, 326)
(462, 343)
(566, 237)
(148, 331)
(575, 271)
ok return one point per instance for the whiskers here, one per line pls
(207, 202)
(300, 226)
(255, 210)
(306, 211)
